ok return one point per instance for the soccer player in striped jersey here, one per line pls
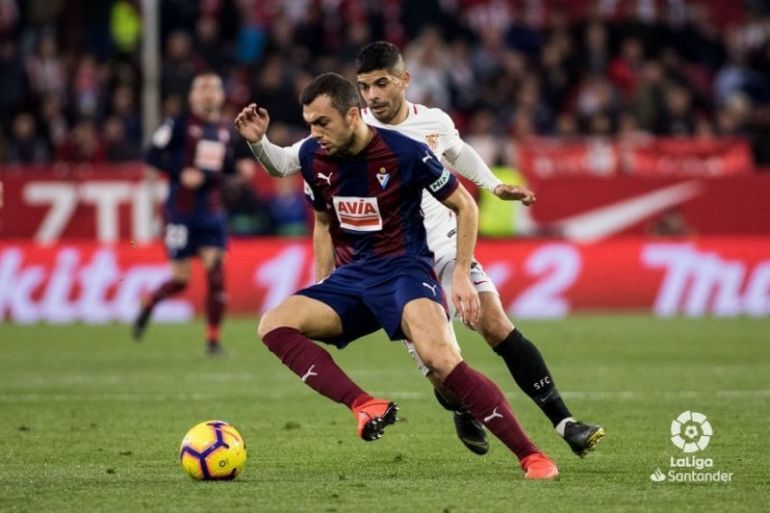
(194, 150)
(383, 82)
(365, 185)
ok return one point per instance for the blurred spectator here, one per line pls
(54, 123)
(26, 145)
(13, 82)
(117, 146)
(288, 213)
(125, 110)
(46, 70)
(84, 146)
(247, 213)
(427, 61)
(179, 65)
(88, 87)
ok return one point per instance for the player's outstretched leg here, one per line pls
(528, 368)
(169, 288)
(317, 369)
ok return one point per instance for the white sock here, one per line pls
(563, 424)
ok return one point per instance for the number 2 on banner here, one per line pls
(559, 264)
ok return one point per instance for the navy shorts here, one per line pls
(367, 299)
(183, 237)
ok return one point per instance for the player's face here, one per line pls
(332, 130)
(207, 94)
(384, 93)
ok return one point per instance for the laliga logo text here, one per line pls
(691, 432)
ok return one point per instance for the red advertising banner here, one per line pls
(536, 279)
(110, 204)
(588, 209)
(639, 156)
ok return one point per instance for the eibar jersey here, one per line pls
(436, 129)
(373, 198)
(189, 141)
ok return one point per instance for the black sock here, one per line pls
(530, 372)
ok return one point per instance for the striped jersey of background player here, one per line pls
(195, 152)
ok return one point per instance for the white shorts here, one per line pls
(444, 268)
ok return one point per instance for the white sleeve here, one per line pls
(450, 137)
(469, 163)
(277, 161)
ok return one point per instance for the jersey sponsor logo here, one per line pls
(210, 155)
(442, 180)
(383, 177)
(358, 214)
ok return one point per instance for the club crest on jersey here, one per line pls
(383, 177)
(357, 213)
(432, 141)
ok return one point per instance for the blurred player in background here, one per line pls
(383, 81)
(365, 185)
(195, 152)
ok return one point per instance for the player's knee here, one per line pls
(269, 322)
(441, 359)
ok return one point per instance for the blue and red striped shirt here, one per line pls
(373, 198)
(189, 141)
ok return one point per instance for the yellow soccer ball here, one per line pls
(213, 450)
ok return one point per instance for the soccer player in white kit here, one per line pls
(383, 81)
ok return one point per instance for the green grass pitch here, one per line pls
(91, 421)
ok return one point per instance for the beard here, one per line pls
(344, 147)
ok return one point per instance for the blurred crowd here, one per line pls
(70, 70)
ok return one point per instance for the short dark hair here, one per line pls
(378, 55)
(342, 92)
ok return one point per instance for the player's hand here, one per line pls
(515, 193)
(252, 123)
(465, 298)
(191, 178)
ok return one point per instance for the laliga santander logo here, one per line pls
(691, 431)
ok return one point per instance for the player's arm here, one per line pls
(466, 161)
(323, 251)
(252, 123)
(445, 187)
(465, 297)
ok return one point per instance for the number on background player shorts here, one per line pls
(176, 237)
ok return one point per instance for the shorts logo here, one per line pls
(358, 214)
(442, 181)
